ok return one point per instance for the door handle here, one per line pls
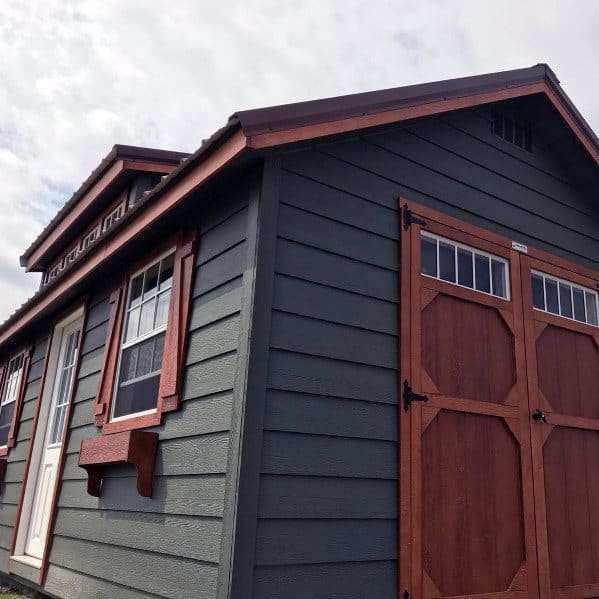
(539, 416)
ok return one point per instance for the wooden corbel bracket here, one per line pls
(137, 448)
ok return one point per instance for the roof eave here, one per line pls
(118, 152)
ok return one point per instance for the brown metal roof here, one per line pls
(301, 114)
(261, 121)
(118, 152)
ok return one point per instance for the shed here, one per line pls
(347, 349)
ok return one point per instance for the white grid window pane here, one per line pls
(447, 265)
(428, 256)
(591, 303)
(146, 321)
(65, 381)
(132, 324)
(140, 359)
(464, 266)
(10, 391)
(162, 309)
(13, 378)
(564, 298)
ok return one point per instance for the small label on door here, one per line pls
(519, 247)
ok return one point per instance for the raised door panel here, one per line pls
(473, 537)
(571, 487)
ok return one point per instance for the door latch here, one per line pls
(539, 416)
(409, 396)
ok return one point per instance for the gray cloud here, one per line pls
(76, 77)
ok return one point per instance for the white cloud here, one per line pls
(77, 77)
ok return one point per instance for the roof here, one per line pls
(249, 130)
(118, 152)
(302, 114)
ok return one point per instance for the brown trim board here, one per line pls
(107, 179)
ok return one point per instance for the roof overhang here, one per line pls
(254, 131)
(268, 127)
(165, 197)
(112, 173)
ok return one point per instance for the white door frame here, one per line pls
(39, 435)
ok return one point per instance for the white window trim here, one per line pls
(573, 286)
(474, 251)
(134, 415)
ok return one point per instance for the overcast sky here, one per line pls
(77, 77)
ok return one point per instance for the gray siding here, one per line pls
(11, 490)
(327, 513)
(170, 545)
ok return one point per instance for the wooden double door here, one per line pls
(499, 425)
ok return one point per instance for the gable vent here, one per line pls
(512, 131)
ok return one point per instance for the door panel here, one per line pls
(467, 350)
(568, 368)
(563, 373)
(467, 511)
(571, 458)
(472, 504)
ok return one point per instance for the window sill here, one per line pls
(133, 423)
(28, 560)
(134, 447)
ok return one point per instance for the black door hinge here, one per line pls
(409, 219)
(406, 595)
(409, 396)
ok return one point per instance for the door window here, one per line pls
(463, 265)
(64, 382)
(564, 298)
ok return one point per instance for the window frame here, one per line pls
(474, 251)
(26, 352)
(544, 276)
(171, 374)
(124, 344)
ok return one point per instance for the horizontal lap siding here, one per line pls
(125, 545)
(327, 514)
(327, 510)
(11, 489)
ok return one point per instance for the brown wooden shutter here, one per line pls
(111, 352)
(178, 320)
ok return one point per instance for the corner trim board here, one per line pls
(241, 498)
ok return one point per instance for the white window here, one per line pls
(10, 392)
(89, 239)
(564, 298)
(142, 343)
(64, 377)
(70, 257)
(112, 218)
(464, 266)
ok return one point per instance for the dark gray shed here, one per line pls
(279, 453)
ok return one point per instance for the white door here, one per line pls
(50, 452)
